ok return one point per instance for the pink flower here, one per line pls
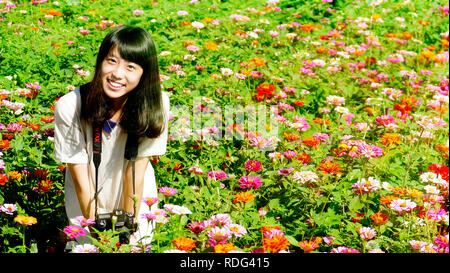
(83, 222)
(196, 227)
(86, 248)
(370, 151)
(367, 233)
(8, 208)
(289, 154)
(74, 231)
(150, 200)
(252, 165)
(250, 182)
(237, 230)
(402, 205)
(366, 185)
(384, 120)
(219, 234)
(344, 249)
(84, 32)
(168, 191)
(219, 175)
(417, 245)
(137, 12)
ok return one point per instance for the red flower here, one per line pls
(440, 169)
(264, 91)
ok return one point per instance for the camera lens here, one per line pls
(101, 224)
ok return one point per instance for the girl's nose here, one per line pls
(118, 72)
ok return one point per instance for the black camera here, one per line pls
(124, 224)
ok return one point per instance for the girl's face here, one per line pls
(118, 75)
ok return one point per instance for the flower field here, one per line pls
(296, 126)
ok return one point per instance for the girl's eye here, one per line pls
(111, 60)
(131, 67)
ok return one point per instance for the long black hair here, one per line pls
(142, 113)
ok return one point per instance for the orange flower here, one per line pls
(276, 243)
(321, 50)
(329, 167)
(407, 35)
(244, 197)
(414, 193)
(307, 27)
(321, 121)
(15, 175)
(257, 62)
(224, 248)
(299, 102)
(208, 20)
(379, 218)
(185, 23)
(265, 229)
(371, 111)
(291, 136)
(308, 246)
(48, 119)
(386, 200)
(4, 144)
(304, 158)
(44, 186)
(311, 142)
(211, 45)
(25, 220)
(399, 191)
(423, 22)
(34, 126)
(388, 139)
(183, 243)
(3, 179)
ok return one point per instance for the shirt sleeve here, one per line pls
(70, 142)
(156, 146)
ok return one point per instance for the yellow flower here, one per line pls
(25, 220)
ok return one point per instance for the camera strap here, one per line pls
(131, 151)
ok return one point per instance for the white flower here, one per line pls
(198, 25)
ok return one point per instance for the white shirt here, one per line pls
(73, 144)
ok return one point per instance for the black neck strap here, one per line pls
(131, 151)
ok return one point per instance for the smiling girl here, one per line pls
(123, 98)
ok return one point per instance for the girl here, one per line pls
(123, 98)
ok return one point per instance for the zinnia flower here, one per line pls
(379, 218)
(25, 220)
(276, 244)
(168, 191)
(74, 231)
(252, 165)
(86, 248)
(250, 182)
(183, 243)
(224, 248)
(219, 175)
(243, 197)
(367, 233)
(308, 246)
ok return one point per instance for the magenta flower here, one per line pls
(219, 175)
(252, 165)
(168, 191)
(250, 182)
(74, 231)
(285, 171)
